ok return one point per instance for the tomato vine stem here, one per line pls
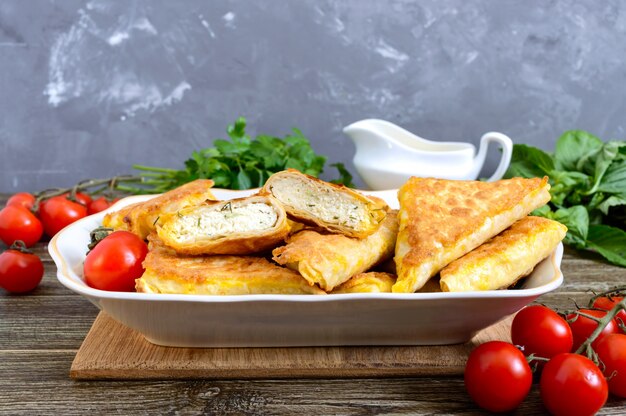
(111, 183)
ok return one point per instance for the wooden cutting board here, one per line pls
(114, 351)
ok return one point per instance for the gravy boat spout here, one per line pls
(387, 155)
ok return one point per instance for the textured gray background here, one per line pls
(89, 88)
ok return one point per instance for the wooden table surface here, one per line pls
(40, 333)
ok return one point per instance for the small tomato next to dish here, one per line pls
(497, 376)
(583, 327)
(18, 223)
(607, 303)
(99, 204)
(22, 199)
(58, 212)
(611, 351)
(115, 262)
(20, 270)
(572, 385)
(541, 331)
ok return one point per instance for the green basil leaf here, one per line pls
(529, 162)
(576, 219)
(609, 158)
(614, 179)
(611, 201)
(567, 185)
(573, 146)
(543, 211)
(608, 241)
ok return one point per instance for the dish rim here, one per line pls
(65, 275)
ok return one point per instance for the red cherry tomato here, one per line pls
(18, 223)
(572, 385)
(115, 262)
(582, 327)
(611, 351)
(22, 199)
(82, 198)
(607, 303)
(541, 331)
(497, 376)
(99, 204)
(20, 272)
(58, 212)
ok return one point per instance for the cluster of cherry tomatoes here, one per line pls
(498, 375)
(23, 222)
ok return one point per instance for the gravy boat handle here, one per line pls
(507, 150)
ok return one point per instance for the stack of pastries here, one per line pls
(301, 235)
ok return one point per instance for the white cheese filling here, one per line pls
(331, 207)
(224, 220)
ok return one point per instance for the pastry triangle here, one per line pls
(442, 220)
(506, 258)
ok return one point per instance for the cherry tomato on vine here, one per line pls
(82, 198)
(22, 199)
(497, 376)
(58, 212)
(611, 351)
(115, 262)
(607, 303)
(99, 204)
(582, 327)
(18, 223)
(541, 331)
(20, 271)
(572, 385)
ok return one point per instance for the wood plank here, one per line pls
(37, 383)
(44, 322)
(114, 351)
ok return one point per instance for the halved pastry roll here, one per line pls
(167, 272)
(368, 282)
(239, 226)
(331, 259)
(509, 256)
(139, 218)
(335, 208)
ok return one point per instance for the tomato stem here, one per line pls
(97, 235)
(19, 245)
(602, 323)
(618, 291)
(81, 186)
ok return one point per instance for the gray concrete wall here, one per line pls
(89, 88)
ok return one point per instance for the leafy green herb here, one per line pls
(588, 188)
(345, 177)
(241, 162)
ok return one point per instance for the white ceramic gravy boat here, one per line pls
(387, 155)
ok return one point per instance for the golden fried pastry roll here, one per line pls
(331, 259)
(335, 208)
(504, 259)
(441, 220)
(239, 226)
(368, 282)
(168, 272)
(139, 218)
